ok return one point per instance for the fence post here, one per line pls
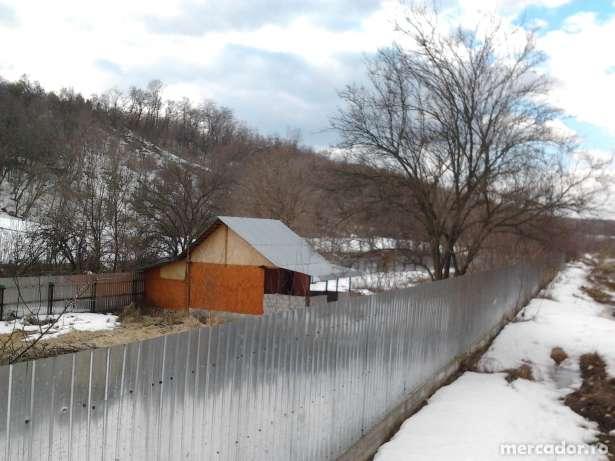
(133, 288)
(50, 298)
(93, 298)
(1, 302)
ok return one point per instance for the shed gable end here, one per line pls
(224, 246)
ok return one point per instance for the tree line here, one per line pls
(119, 179)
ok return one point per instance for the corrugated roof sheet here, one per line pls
(280, 245)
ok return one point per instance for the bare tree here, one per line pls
(137, 98)
(277, 184)
(118, 181)
(175, 205)
(153, 102)
(86, 215)
(28, 182)
(466, 124)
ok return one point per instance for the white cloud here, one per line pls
(468, 9)
(598, 167)
(537, 24)
(561, 128)
(509, 7)
(580, 59)
(60, 43)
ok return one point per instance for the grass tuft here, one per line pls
(558, 355)
(595, 399)
(522, 372)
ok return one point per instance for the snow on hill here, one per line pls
(12, 224)
(10, 229)
(151, 151)
(354, 244)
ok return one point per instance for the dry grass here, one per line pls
(595, 400)
(602, 280)
(137, 324)
(522, 372)
(558, 355)
(603, 273)
(597, 294)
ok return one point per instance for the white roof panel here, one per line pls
(280, 245)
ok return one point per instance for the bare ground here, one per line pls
(595, 399)
(137, 324)
(601, 287)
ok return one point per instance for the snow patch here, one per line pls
(375, 281)
(65, 324)
(479, 413)
(474, 416)
(571, 320)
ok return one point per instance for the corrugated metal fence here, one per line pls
(299, 385)
(51, 294)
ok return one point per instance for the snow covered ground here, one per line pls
(358, 244)
(571, 320)
(9, 223)
(372, 282)
(481, 416)
(67, 322)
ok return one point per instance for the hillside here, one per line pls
(119, 179)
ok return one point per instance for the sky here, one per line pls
(279, 64)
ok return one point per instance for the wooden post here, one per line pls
(337, 293)
(1, 302)
(278, 279)
(226, 245)
(133, 288)
(93, 298)
(50, 298)
(188, 277)
(327, 289)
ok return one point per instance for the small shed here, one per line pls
(239, 265)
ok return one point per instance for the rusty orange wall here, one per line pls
(166, 293)
(227, 287)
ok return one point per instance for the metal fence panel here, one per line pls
(80, 403)
(303, 385)
(69, 293)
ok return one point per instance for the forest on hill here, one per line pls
(122, 178)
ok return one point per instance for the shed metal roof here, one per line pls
(277, 243)
(282, 247)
